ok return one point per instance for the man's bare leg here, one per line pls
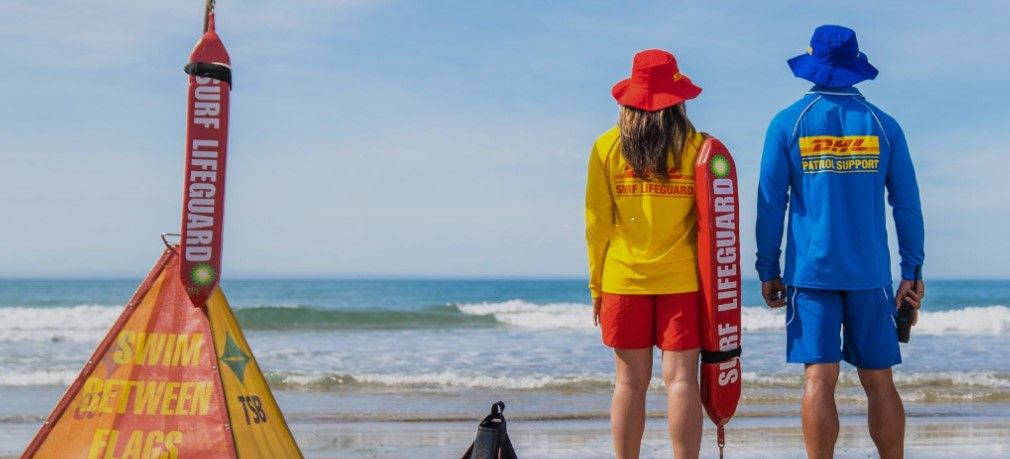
(820, 416)
(886, 413)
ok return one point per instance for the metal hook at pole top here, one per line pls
(169, 245)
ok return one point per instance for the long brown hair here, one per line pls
(646, 137)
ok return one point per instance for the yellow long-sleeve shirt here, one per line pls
(641, 234)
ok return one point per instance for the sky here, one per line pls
(448, 139)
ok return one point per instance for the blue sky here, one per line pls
(447, 138)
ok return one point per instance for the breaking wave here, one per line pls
(87, 323)
(464, 379)
(937, 387)
(774, 388)
(38, 378)
(974, 320)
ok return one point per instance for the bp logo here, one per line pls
(720, 166)
(202, 275)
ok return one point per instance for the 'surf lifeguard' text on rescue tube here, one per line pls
(726, 272)
(203, 175)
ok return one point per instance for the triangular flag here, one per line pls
(168, 380)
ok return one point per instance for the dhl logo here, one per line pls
(850, 145)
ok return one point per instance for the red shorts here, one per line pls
(640, 321)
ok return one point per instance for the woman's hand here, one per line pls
(597, 305)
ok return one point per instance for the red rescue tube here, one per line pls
(719, 276)
(209, 72)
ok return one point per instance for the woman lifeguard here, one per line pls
(640, 229)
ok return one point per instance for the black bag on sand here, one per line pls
(492, 440)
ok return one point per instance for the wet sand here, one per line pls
(928, 437)
(749, 438)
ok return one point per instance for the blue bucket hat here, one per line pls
(833, 59)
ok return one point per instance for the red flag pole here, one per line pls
(209, 70)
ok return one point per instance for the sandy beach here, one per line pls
(762, 437)
(927, 437)
(968, 430)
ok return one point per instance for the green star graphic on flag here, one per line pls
(234, 358)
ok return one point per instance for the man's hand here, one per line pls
(913, 296)
(774, 293)
(597, 305)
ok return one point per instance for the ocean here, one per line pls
(443, 350)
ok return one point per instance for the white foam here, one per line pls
(986, 379)
(521, 314)
(85, 323)
(264, 306)
(932, 381)
(774, 379)
(955, 378)
(450, 379)
(37, 378)
(756, 318)
(976, 320)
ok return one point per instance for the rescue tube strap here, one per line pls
(216, 71)
(719, 356)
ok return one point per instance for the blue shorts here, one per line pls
(826, 326)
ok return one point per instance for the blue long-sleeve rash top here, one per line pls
(828, 158)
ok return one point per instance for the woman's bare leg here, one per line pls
(680, 373)
(627, 409)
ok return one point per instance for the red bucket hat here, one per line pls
(656, 83)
